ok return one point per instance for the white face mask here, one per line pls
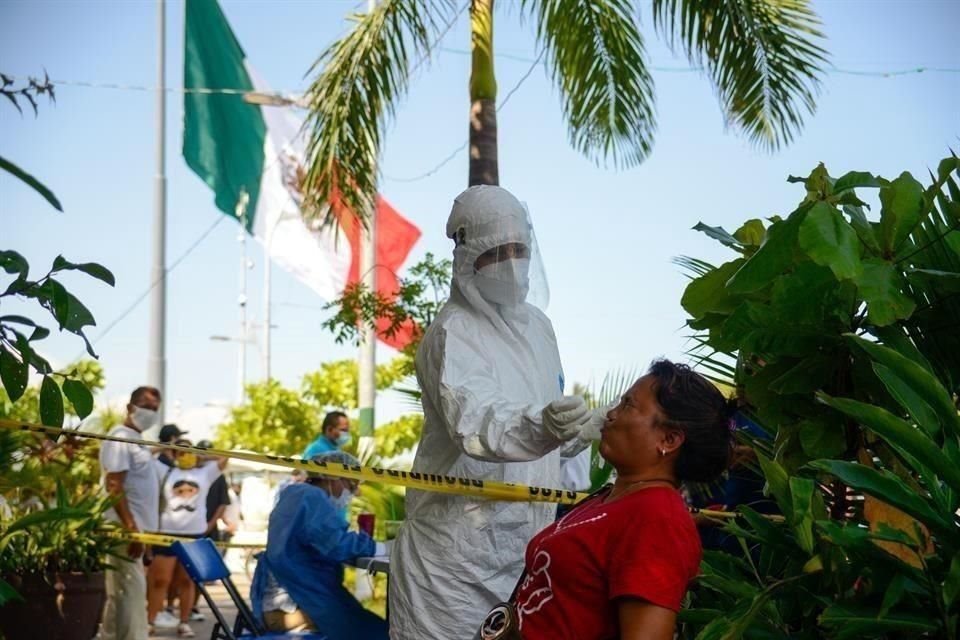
(143, 419)
(505, 283)
(343, 500)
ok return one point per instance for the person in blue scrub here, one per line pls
(298, 583)
(334, 435)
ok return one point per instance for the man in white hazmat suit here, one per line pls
(493, 405)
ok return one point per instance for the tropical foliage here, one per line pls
(283, 421)
(763, 57)
(832, 327)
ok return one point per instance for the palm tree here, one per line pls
(762, 57)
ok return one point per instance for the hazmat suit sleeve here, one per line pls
(479, 420)
(326, 532)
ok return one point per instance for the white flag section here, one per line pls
(318, 257)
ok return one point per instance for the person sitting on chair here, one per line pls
(298, 582)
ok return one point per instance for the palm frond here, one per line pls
(361, 78)
(933, 263)
(596, 59)
(694, 267)
(762, 55)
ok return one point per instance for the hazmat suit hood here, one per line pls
(482, 218)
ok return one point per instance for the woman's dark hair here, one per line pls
(693, 405)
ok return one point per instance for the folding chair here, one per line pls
(203, 563)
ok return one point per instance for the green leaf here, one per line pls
(801, 490)
(900, 435)
(32, 182)
(13, 262)
(770, 260)
(855, 179)
(921, 380)
(895, 339)
(822, 439)
(887, 487)
(751, 233)
(881, 286)
(708, 292)
(18, 320)
(718, 233)
(951, 586)
(90, 268)
(807, 376)
(8, 593)
(51, 403)
(13, 373)
(902, 201)
(829, 241)
(863, 227)
(893, 594)
(858, 623)
(921, 412)
(79, 396)
(777, 481)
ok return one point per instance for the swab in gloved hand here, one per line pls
(564, 418)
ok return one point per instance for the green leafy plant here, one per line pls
(418, 301)
(70, 535)
(824, 325)
(19, 333)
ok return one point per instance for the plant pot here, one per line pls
(62, 606)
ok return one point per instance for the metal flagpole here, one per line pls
(366, 386)
(242, 339)
(267, 276)
(157, 362)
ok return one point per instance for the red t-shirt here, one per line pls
(643, 545)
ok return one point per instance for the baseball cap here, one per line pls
(169, 432)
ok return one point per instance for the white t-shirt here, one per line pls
(185, 499)
(142, 483)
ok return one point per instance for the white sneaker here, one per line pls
(165, 620)
(184, 631)
(196, 616)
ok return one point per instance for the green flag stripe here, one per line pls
(223, 135)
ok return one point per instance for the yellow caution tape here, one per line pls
(504, 491)
(165, 540)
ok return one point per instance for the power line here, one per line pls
(293, 96)
(126, 312)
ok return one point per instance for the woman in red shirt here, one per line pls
(618, 565)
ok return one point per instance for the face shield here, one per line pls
(497, 264)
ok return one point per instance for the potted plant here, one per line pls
(52, 564)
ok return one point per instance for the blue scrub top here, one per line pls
(307, 544)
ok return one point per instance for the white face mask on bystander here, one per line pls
(143, 419)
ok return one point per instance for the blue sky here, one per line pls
(607, 237)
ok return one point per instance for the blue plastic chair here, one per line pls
(203, 563)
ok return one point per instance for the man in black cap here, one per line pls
(168, 435)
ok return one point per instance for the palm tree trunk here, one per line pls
(483, 97)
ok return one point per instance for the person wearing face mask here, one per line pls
(131, 475)
(183, 513)
(298, 582)
(492, 392)
(335, 434)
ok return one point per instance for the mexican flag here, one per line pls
(252, 157)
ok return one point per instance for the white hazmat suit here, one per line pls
(489, 370)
